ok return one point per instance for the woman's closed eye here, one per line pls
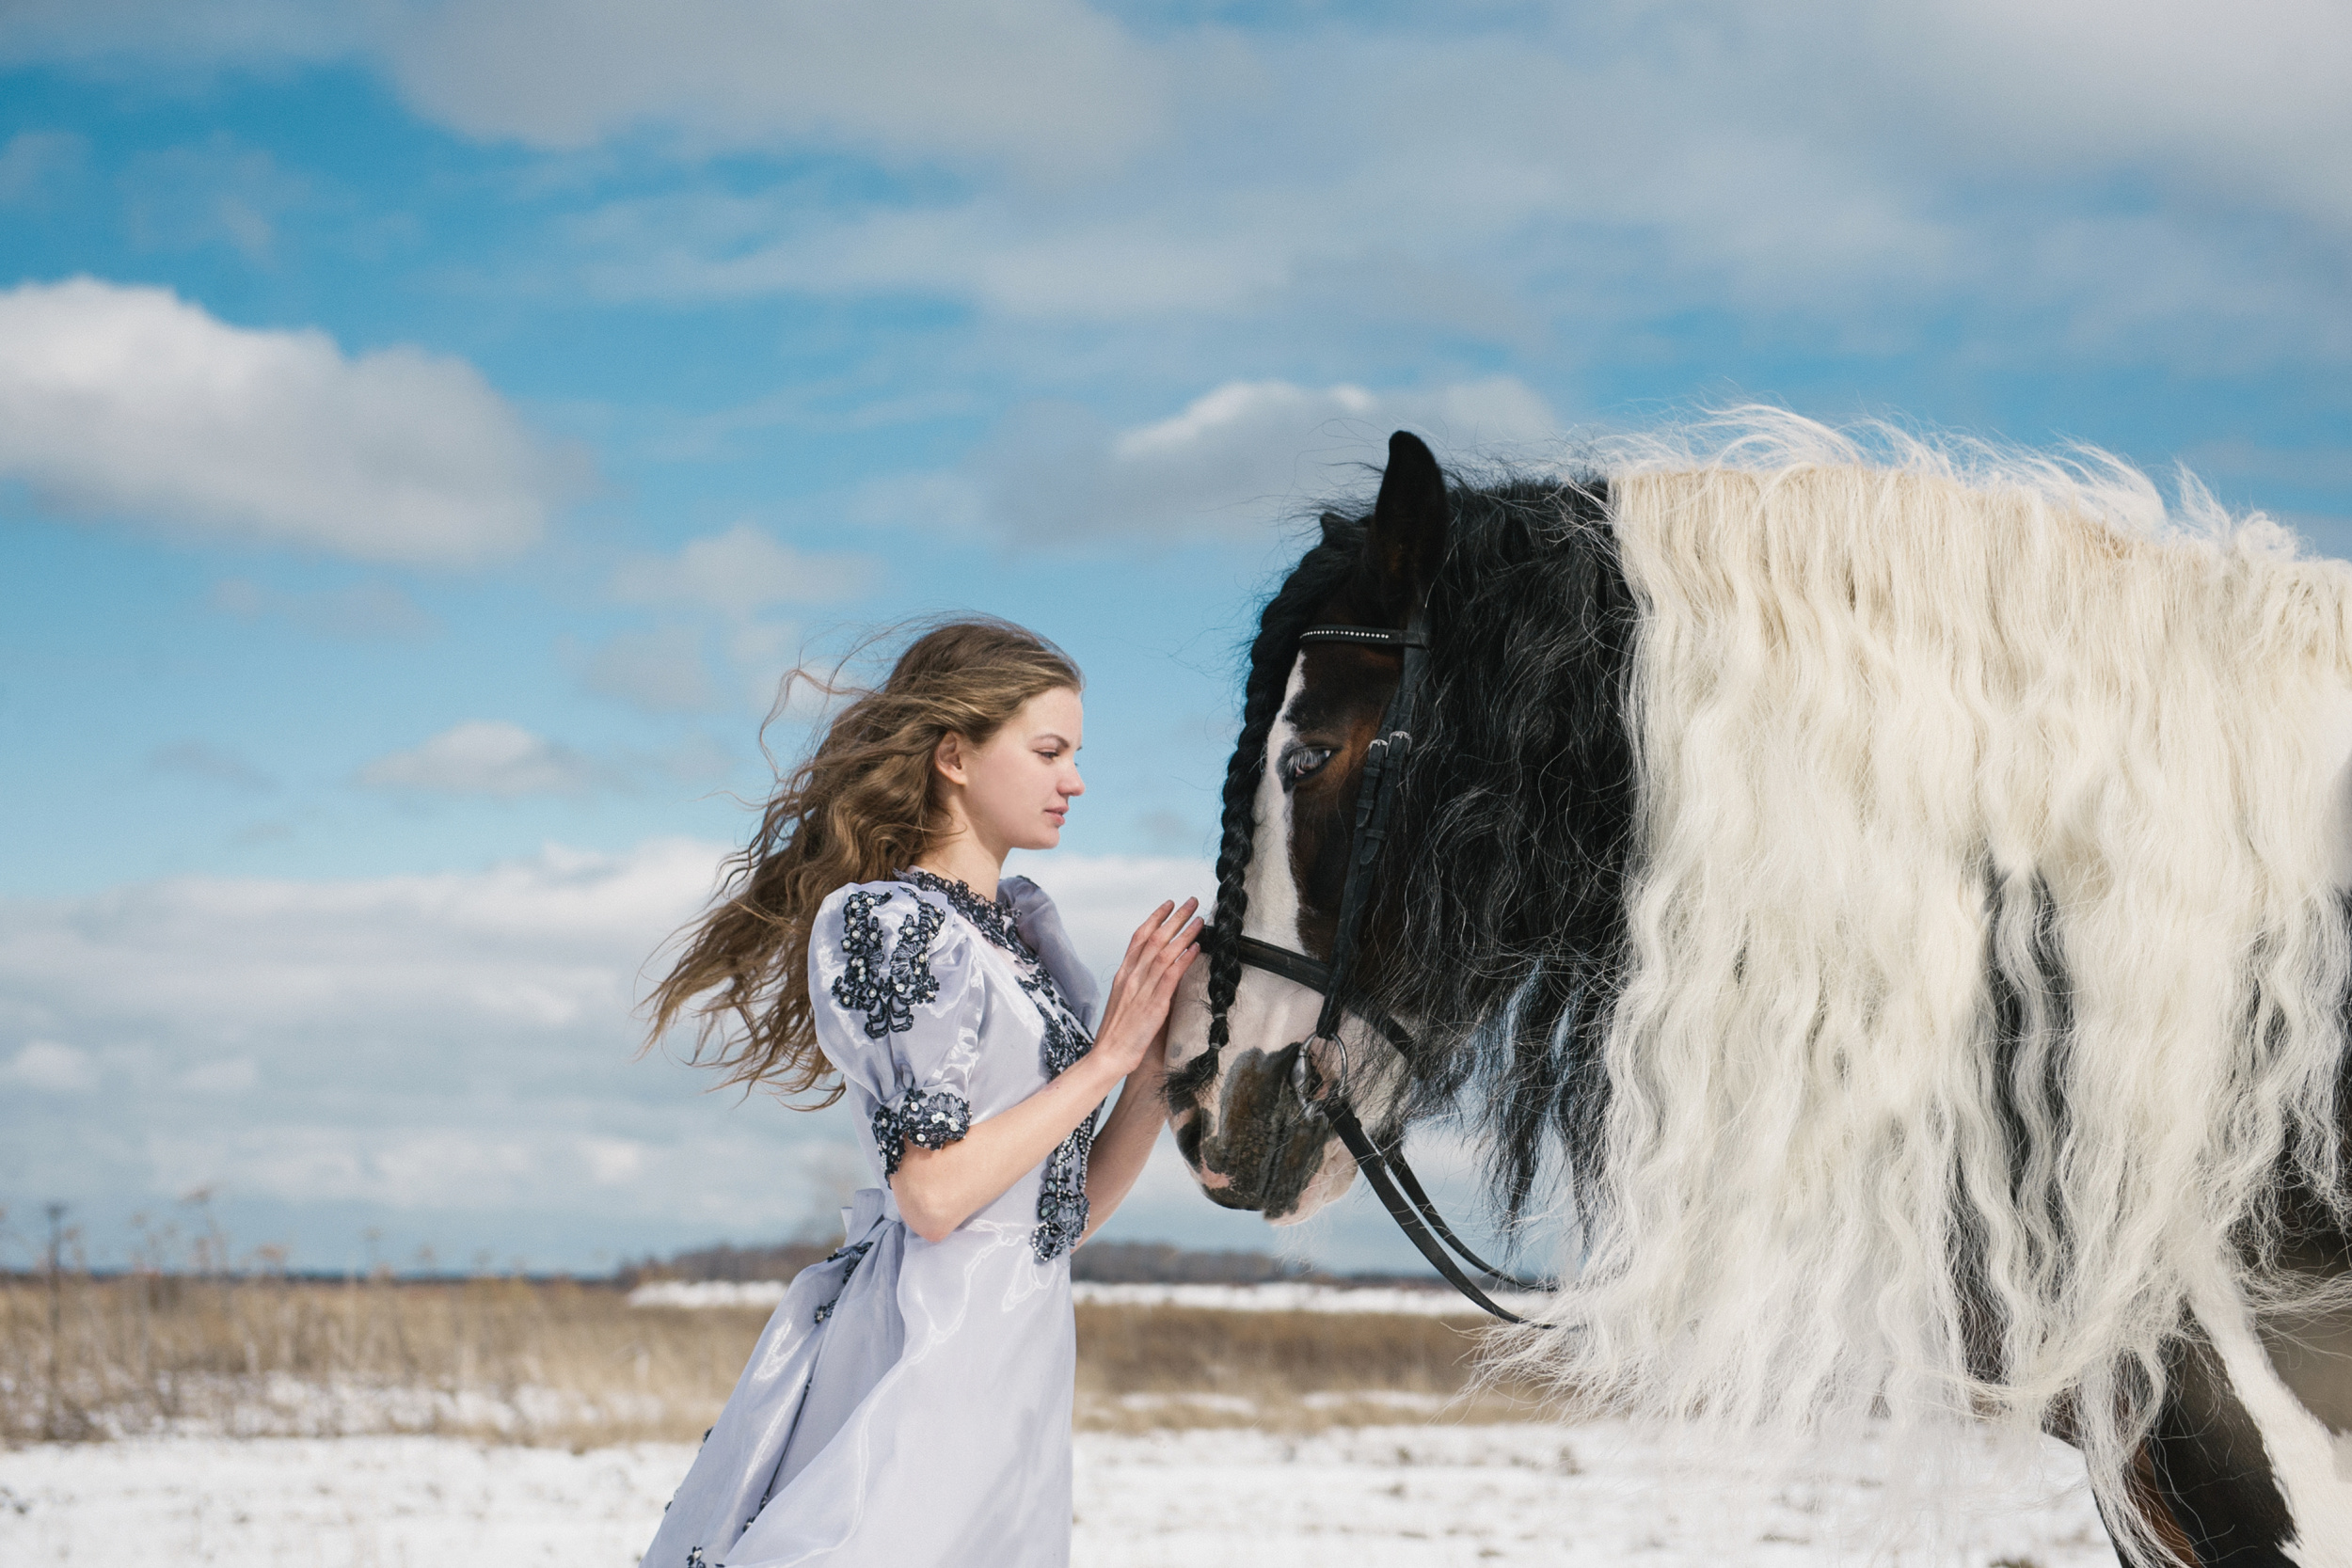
(1299, 761)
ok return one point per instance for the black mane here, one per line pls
(1504, 873)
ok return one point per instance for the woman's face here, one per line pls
(1018, 787)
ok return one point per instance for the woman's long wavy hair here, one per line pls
(860, 807)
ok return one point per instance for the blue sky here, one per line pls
(427, 431)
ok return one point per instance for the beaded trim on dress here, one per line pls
(929, 1118)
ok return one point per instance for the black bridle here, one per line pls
(1384, 1168)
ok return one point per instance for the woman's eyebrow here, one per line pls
(1052, 737)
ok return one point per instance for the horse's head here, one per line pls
(1492, 911)
(1314, 714)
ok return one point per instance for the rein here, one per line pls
(1385, 1169)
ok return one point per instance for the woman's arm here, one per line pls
(1124, 1145)
(938, 1189)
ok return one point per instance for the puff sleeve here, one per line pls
(897, 995)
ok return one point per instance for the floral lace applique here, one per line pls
(887, 996)
(929, 1118)
(1061, 1199)
(856, 1254)
(1061, 1196)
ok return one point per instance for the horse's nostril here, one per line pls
(1189, 1134)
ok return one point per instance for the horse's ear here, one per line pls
(1406, 537)
(1334, 528)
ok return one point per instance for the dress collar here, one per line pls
(994, 919)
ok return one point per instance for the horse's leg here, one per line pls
(2202, 1482)
(2250, 1463)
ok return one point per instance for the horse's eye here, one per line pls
(1303, 761)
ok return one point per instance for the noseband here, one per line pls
(1385, 1169)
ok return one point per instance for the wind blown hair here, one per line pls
(859, 808)
(1985, 949)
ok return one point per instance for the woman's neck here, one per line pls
(962, 857)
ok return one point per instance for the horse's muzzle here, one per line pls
(1264, 1141)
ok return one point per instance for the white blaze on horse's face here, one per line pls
(1270, 1012)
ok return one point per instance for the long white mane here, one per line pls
(1919, 743)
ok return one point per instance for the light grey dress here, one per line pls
(909, 1403)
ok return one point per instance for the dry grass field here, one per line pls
(572, 1365)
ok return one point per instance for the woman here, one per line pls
(909, 1403)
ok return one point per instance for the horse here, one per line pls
(1878, 910)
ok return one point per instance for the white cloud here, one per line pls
(662, 670)
(732, 577)
(764, 654)
(1847, 175)
(31, 159)
(377, 987)
(217, 192)
(1053, 85)
(182, 34)
(48, 1065)
(2242, 100)
(362, 612)
(1826, 174)
(741, 572)
(129, 401)
(202, 759)
(1238, 454)
(229, 1075)
(483, 756)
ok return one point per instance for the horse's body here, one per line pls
(1893, 925)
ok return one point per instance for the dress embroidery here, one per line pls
(1061, 1198)
(929, 1118)
(856, 1254)
(887, 997)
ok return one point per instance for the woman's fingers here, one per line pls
(1187, 939)
(1171, 920)
(1150, 925)
(1159, 953)
(1164, 984)
(1167, 927)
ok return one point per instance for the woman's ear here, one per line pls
(947, 759)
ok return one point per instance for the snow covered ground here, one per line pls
(1414, 1496)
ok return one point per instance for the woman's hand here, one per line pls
(1135, 1017)
(1133, 1043)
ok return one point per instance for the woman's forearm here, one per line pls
(938, 1189)
(1123, 1147)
